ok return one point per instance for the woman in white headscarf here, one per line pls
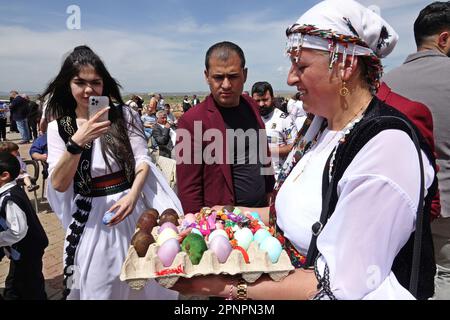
(353, 178)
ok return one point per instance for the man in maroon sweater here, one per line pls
(222, 151)
(421, 116)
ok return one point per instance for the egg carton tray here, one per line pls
(136, 271)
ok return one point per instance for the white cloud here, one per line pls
(140, 62)
(394, 4)
(170, 57)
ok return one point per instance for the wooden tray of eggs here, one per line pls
(166, 248)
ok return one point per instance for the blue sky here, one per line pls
(159, 46)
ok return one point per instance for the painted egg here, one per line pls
(194, 245)
(219, 226)
(218, 232)
(221, 247)
(165, 235)
(261, 235)
(255, 215)
(107, 217)
(167, 251)
(189, 219)
(243, 237)
(168, 225)
(195, 230)
(273, 247)
(235, 228)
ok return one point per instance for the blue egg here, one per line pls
(255, 215)
(243, 237)
(107, 217)
(195, 230)
(261, 235)
(273, 248)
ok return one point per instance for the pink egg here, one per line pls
(219, 232)
(221, 247)
(167, 251)
(219, 226)
(189, 218)
(168, 225)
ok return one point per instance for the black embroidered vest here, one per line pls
(35, 240)
(364, 131)
(67, 126)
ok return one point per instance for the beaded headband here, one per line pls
(309, 36)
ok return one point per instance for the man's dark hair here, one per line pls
(432, 20)
(222, 50)
(10, 164)
(261, 87)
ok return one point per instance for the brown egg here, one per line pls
(152, 212)
(146, 222)
(141, 241)
(171, 212)
(169, 218)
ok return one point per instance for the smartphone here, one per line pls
(96, 103)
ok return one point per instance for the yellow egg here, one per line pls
(165, 235)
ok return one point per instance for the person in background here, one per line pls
(22, 236)
(161, 102)
(149, 120)
(13, 125)
(39, 152)
(33, 117)
(23, 178)
(281, 130)
(423, 77)
(163, 135)
(243, 176)
(19, 113)
(170, 117)
(154, 103)
(195, 100)
(186, 103)
(295, 110)
(4, 109)
(135, 103)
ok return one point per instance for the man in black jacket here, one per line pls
(19, 112)
(162, 134)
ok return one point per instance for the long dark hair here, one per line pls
(61, 102)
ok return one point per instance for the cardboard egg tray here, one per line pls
(137, 271)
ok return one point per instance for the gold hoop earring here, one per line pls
(344, 90)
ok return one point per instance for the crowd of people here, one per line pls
(352, 171)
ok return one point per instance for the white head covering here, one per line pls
(345, 21)
(340, 26)
(346, 27)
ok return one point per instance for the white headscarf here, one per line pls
(347, 18)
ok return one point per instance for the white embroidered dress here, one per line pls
(102, 249)
(374, 216)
